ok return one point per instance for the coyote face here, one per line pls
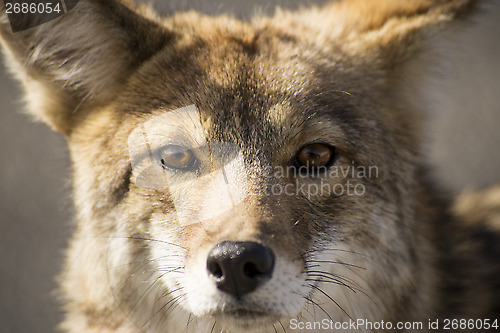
(241, 176)
(245, 213)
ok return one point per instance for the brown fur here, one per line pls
(334, 74)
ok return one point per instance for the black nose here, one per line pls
(239, 267)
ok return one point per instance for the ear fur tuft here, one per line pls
(80, 58)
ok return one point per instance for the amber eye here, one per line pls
(177, 157)
(315, 156)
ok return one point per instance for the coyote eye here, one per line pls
(177, 157)
(315, 156)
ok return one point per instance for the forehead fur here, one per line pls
(84, 57)
(260, 85)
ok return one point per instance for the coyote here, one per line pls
(261, 176)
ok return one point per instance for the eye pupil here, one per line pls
(315, 155)
(177, 157)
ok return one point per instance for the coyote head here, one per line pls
(238, 175)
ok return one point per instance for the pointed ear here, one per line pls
(81, 58)
(389, 31)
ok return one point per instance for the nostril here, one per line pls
(250, 270)
(214, 269)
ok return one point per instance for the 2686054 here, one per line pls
(32, 8)
(470, 324)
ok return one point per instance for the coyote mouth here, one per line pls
(247, 319)
(247, 315)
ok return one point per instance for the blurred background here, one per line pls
(462, 140)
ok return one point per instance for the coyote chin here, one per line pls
(260, 176)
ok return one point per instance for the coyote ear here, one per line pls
(80, 58)
(389, 30)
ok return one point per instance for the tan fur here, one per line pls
(337, 75)
(479, 207)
